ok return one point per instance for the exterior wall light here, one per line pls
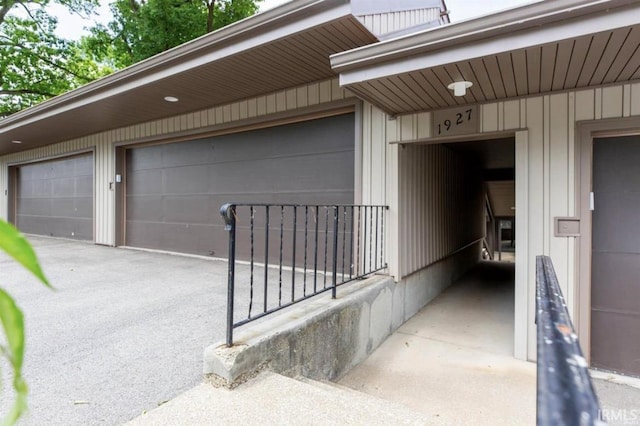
(16, 141)
(171, 99)
(460, 87)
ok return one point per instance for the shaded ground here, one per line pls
(124, 331)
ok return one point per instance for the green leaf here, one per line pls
(16, 246)
(13, 325)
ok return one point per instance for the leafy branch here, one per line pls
(16, 246)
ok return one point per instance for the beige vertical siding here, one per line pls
(103, 144)
(437, 216)
(547, 173)
(383, 23)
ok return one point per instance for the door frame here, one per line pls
(586, 132)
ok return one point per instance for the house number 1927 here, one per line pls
(455, 122)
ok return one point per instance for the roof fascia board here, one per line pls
(529, 16)
(560, 30)
(257, 30)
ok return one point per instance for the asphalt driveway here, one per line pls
(123, 332)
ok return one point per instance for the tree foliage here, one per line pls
(35, 64)
(141, 29)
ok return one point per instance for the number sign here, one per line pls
(458, 121)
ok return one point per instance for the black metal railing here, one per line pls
(283, 254)
(565, 392)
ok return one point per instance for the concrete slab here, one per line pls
(274, 399)
(453, 360)
(123, 332)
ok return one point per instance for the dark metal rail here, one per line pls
(565, 391)
(290, 252)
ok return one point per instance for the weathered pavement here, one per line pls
(123, 332)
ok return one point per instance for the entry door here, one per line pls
(615, 283)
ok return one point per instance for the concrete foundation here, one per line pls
(324, 338)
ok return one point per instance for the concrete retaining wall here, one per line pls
(324, 338)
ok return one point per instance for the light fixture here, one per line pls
(171, 99)
(460, 87)
(16, 141)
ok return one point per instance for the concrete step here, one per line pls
(274, 399)
(360, 401)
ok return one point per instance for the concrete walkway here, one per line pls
(453, 361)
(272, 399)
(450, 364)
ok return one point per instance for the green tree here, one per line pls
(141, 29)
(11, 318)
(36, 64)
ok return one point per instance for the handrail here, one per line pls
(318, 248)
(565, 392)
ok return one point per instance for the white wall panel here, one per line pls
(383, 23)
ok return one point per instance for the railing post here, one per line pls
(228, 212)
(334, 274)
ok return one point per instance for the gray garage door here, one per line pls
(55, 197)
(174, 191)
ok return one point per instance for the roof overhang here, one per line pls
(539, 48)
(282, 48)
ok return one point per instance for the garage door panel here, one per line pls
(145, 181)
(63, 227)
(55, 198)
(63, 187)
(192, 179)
(36, 188)
(290, 173)
(84, 188)
(188, 209)
(85, 167)
(302, 163)
(147, 159)
(34, 206)
(176, 155)
(81, 207)
(186, 238)
(145, 207)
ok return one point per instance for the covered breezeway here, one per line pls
(454, 197)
